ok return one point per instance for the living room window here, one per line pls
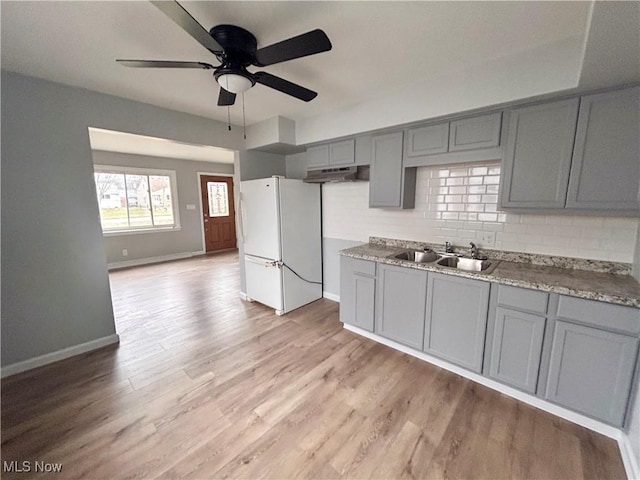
(135, 199)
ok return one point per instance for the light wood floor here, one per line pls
(204, 385)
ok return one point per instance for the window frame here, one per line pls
(148, 172)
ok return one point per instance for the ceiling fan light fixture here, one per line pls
(234, 83)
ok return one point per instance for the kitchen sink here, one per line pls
(418, 256)
(469, 264)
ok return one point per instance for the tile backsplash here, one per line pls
(459, 204)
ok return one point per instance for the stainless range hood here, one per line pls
(339, 174)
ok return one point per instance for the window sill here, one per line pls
(137, 231)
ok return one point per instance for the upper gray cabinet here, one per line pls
(331, 155)
(427, 140)
(318, 156)
(400, 304)
(390, 184)
(538, 155)
(456, 319)
(464, 140)
(605, 171)
(475, 132)
(342, 153)
(577, 154)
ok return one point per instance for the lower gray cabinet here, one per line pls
(516, 348)
(400, 306)
(591, 371)
(357, 292)
(456, 319)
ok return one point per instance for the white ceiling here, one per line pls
(376, 46)
(392, 62)
(111, 141)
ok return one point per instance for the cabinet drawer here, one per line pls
(363, 267)
(523, 299)
(476, 132)
(600, 314)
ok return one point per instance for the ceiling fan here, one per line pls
(236, 49)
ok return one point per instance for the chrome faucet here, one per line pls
(448, 248)
(474, 250)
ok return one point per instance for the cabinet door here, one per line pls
(591, 371)
(357, 292)
(401, 302)
(475, 133)
(428, 140)
(456, 319)
(385, 184)
(342, 153)
(605, 171)
(516, 348)
(318, 156)
(538, 155)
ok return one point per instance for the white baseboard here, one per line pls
(628, 457)
(331, 296)
(243, 296)
(561, 412)
(199, 252)
(59, 355)
(150, 260)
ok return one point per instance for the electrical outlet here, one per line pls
(125, 252)
(486, 239)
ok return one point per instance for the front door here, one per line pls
(218, 212)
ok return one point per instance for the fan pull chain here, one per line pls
(229, 117)
(244, 123)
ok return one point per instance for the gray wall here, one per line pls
(251, 165)
(156, 244)
(254, 164)
(296, 165)
(636, 258)
(331, 263)
(54, 270)
(632, 429)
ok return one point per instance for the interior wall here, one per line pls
(632, 429)
(188, 240)
(55, 291)
(636, 260)
(296, 165)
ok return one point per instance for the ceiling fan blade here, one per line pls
(310, 43)
(164, 64)
(285, 86)
(179, 15)
(226, 98)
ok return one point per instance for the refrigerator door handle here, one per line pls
(242, 216)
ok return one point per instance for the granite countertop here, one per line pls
(621, 289)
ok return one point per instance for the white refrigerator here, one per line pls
(282, 243)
